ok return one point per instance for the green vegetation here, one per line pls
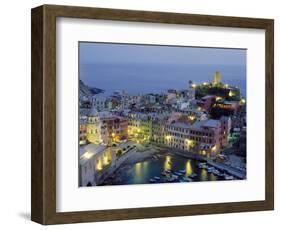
(119, 153)
(217, 112)
(227, 93)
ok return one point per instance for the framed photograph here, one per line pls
(140, 114)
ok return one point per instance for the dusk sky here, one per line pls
(144, 68)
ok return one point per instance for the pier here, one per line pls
(233, 171)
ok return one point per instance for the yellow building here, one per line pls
(217, 78)
(139, 128)
(93, 127)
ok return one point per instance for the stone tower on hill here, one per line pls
(217, 78)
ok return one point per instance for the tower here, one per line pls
(93, 126)
(191, 90)
(217, 78)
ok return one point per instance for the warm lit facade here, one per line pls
(115, 129)
(82, 131)
(140, 127)
(231, 106)
(94, 127)
(106, 128)
(206, 137)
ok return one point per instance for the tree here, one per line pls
(119, 152)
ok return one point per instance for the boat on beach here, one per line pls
(178, 173)
(211, 169)
(216, 172)
(192, 175)
(228, 177)
(171, 179)
(186, 179)
(202, 165)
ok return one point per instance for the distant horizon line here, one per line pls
(162, 63)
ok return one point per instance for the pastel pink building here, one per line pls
(207, 137)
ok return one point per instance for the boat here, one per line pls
(202, 164)
(192, 175)
(219, 173)
(175, 176)
(152, 180)
(216, 172)
(186, 179)
(210, 169)
(229, 177)
(178, 173)
(170, 179)
(182, 171)
(156, 178)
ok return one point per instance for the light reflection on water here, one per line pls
(142, 172)
(168, 163)
(204, 175)
(188, 168)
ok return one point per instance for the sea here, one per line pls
(140, 78)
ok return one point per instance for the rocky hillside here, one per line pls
(86, 92)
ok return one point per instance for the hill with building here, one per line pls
(87, 92)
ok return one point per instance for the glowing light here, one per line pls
(190, 144)
(188, 168)
(87, 155)
(105, 160)
(82, 142)
(168, 137)
(167, 163)
(214, 148)
(218, 98)
(138, 169)
(191, 118)
(204, 152)
(231, 93)
(242, 101)
(193, 86)
(226, 85)
(205, 83)
(99, 165)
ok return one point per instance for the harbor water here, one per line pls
(162, 168)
